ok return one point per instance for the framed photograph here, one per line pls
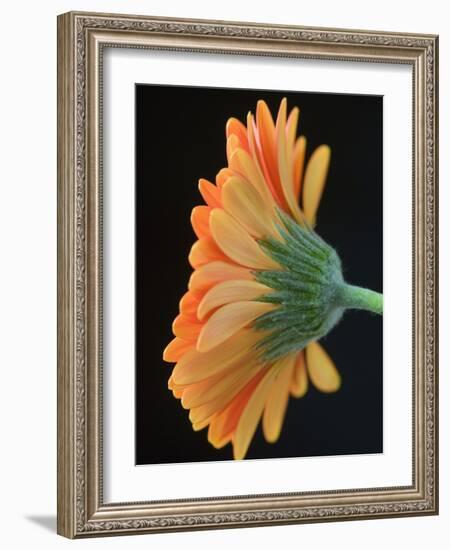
(247, 274)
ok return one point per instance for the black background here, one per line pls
(180, 137)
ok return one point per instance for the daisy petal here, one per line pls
(266, 133)
(213, 406)
(228, 292)
(223, 175)
(291, 127)
(203, 251)
(235, 127)
(236, 243)
(218, 441)
(189, 303)
(278, 398)
(195, 366)
(175, 388)
(176, 349)
(314, 182)
(285, 165)
(321, 369)
(250, 417)
(232, 145)
(265, 138)
(225, 383)
(197, 426)
(192, 395)
(228, 320)
(210, 274)
(258, 160)
(242, 163)
(200, 221)
(299, 382)
(298, 165)
(224, 423)
(186, 327)
(241, 199)
(210, 193)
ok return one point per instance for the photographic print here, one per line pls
(259, 274)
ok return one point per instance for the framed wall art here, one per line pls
(247, 221)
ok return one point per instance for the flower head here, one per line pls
(265, 286)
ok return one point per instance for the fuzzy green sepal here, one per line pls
(306, 289)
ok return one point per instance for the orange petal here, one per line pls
(205, 413)
(197, 426)
(265, 146)
(228, 320)
(277, 401)
(175, 350)
(221, 401)
(223, 175)
(285, 165)
(242, 163)
(186, 327)
(241, 199)
(299, 382)
(232, 145)
(298, 164)
(210, 193)
(227, 292)
(189, 303)
(204, 251)
(267, 162)
(266, 133)
(291, 128)
(321, 369)
(210, 274)
(250, 416)
(314, 182)
(225, 383)
(236, 243)
(224, 424)
(176, 390)
(192, 395)
(258, 162)
(216, 437)
(195, 366)
(200, 221)
(235, 127)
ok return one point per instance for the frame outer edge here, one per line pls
(66, 524)
(435, 218)
(77, 435)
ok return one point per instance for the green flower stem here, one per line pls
(356, 297)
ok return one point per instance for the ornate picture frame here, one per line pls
(82, 40)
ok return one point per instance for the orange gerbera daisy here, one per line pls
(265, 286)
